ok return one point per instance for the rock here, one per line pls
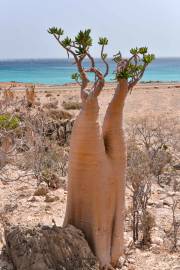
(160, 190)
(177, 166)
(51, 198)
(48, 248)
(131, 260)
(157, 240)
(167, 202)
(32, 199)
(155, 249)
(159, 204)
(121, 262)
(41, 190)
(5, 265)
(171, 193)
(151, 203)
(131, 267)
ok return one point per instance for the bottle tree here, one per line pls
(97, 161)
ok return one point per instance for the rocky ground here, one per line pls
(22, 202)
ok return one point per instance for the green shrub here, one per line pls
(8, 121)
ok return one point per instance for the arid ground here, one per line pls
(20, 205)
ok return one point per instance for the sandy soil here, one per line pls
(22, 207)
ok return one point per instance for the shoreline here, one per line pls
(143, 83)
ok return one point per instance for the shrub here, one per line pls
(48, 95)
(71, 105)
(59, 114)
(156, 136)
(30, 95)
(139, 182)
(9, 122)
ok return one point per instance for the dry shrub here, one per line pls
(27, 149)
(30, 95)
(157, 136)
(173, 234)
(8, 94)
(152, 151)
(58, 114)
(139, 182)
(53, 104)
(48, 95)
(71, 104)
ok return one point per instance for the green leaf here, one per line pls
(135, 65)
(55, 31)
(143, 50)
(148, 58)
(66, 42)
(104, 55)
(8, 121)
(84, 39)
(103, 41)
(75, 76)
(134, 51)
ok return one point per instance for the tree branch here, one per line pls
(105, 62)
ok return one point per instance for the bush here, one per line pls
(8, 121)
(156, 136)
(71, 105)
(59, 114)
(139, 182)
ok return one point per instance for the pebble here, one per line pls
(158, 241)
(131, 260)
(51, 198)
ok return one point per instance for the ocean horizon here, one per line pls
(59, 71)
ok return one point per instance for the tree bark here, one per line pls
(115, 145)
(96, 185)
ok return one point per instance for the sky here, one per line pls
(126, 24)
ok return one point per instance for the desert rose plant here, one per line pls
(97, 162)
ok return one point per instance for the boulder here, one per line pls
(49, 248)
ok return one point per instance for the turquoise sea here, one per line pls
(58, 71)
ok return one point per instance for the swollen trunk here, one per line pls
(97, 177)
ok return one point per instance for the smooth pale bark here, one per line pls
(96, 184)
(116, 151)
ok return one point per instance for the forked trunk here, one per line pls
(97, 177)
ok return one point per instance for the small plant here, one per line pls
(138, 181)
(8, 121)
(173, 234)
(30, 95)
(8, 93)
(71, 105)
(148, 222)
(59, 114)
(156, 136)
(132, 69)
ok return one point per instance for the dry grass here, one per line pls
(71, 105)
